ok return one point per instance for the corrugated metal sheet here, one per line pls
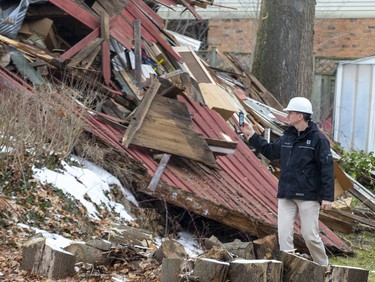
(242, 9)
(242, 184)
(354, 115)
(11, 17)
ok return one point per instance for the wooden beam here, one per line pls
(221, 146)
(85, 52)
(159, 171)
(81, 44)
(78, 12)
(106, 60)
(187, 200)
(138, 50)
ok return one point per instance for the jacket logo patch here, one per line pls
(308, 142)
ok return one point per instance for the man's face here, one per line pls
(294, 118)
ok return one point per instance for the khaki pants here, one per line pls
(309, 216)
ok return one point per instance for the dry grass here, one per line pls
(33, 125)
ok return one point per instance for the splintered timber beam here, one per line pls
(31, 50)
(230, 217)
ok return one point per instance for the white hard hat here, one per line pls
(299, 104)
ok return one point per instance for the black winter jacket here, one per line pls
(306, 163)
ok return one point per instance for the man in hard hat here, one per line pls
(306, 181)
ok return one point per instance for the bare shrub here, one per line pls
(36, 125)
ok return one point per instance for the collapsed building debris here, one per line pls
(154, 97)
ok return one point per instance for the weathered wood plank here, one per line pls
(138, 50)
(169, 122)
(141, 113)
(85, 52)
(106, 60)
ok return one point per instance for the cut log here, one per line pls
(126, 235)
(210, 270)
(348, 274)
(241, 249)
(265, 248)
(298, 269)
(170, 270)
(41, 259)
(211, 242)
(255, 270)
(87, 254)
(100, 244)
(218, 253)
(170, 249)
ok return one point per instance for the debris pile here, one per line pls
(157, 102)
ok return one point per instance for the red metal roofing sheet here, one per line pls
(242, 183)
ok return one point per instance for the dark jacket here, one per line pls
(306, 163)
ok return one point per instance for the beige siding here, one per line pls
(245, 9)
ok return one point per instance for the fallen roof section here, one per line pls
(239, 192)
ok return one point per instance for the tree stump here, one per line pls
(298, 269)
(88, 254)
(170, 270)
(170, 249)
(349, 274)
(41, 259)
(255, 271)
(210, 270)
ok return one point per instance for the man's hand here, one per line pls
(326, 205)
(248, 131)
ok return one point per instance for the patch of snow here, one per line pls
(89, 181)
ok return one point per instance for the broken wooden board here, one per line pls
(221, 146)
(336, 223)
(32, 50)
(196, 68)
(342, 182)
(218, 99)
(169, 122)
(86, 52)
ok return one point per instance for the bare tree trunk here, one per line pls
(283, 58)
